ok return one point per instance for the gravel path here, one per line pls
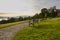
(8, 32)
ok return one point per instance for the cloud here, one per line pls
(39, 4)
(16, 5)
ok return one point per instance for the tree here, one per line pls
(20, 18)
(44, 12)
(12, 20)
(53, 12)
(36, 16)
(40, 15)
(3, 21)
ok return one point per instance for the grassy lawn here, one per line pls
(46, 30)
(10, 24)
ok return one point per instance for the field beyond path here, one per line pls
(8, 32)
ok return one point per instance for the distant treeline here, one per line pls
(12, 19)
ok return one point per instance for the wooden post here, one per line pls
(33, 22)
(29, 21)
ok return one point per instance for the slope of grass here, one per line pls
(10, 24)
(46, 30)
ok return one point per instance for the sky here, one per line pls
(16, 7)
(25, 7)
(39, 4)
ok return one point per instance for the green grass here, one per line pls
(11, 24)
(46, 30)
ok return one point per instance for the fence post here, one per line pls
(33, 22)
(29, 21)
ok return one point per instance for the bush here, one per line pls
(3, 21)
